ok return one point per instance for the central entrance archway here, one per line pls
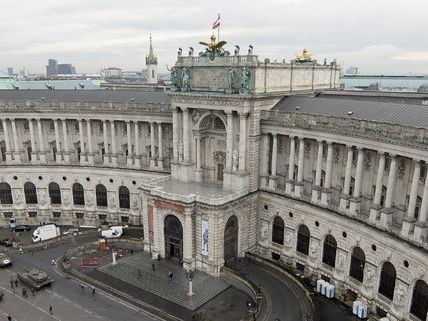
(173, 231)
(231, 240)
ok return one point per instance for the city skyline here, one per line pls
(376, 37)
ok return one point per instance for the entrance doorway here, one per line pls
(173, 231)
(231, 240)
(220, 169)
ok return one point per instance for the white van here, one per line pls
(45, 232)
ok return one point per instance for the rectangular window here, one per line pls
(325, 278)
(276, 256)
(7, 214)
(32, 214)
(80, 215)
(102, 217)
(56, 214)
(300, 267)
(124, 219)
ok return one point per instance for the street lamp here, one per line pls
(190, 278)
(252, 308)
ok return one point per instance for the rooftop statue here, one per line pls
(213, 48)
(305, 56)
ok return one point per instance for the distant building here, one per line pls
(409, 83)
(352, 71)
(10, 71)
(112, 72)
(152, 65)
(52, 68)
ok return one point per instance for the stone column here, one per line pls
(129, 158)
(229, 140)
(152, 146)
(316, 188)
(409, 220)
(17, 151)
(420, 234)
(57, 143)
(375, 208)
(289, 181)
(242, 142)
(160, 147)
(113, 144)
(42, 151)
(90, 150)
(326, 191)
(387, 211)
(65, 136)
(106, 156)
(264, 166)
(82, 144)
(273, 179)
(7, 142)
(299, 185)
(188, 259)
(198, 172)
(32, 142)
(175, 135)
(186, 140)
(344, 198)
(355, 202)
(137, 155)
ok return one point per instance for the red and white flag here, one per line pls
(216, 23)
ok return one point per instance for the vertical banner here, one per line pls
(204, 237)
(150, 217)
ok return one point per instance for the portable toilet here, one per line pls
(356, 307)
(362, 312)
(320, 282)
(12, 222)
(324, 287)
(329, 291)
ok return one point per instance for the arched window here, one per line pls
(278, 230)
(123, 197)
(387, 280)
(5, 194)
(358, 261)
(329, 251)
(303, 237)
(419, 305)
(101, 194)
(55, 193)
(30, 193)
(78, 194)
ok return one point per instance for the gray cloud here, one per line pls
(378, 36)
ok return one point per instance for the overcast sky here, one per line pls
(389, 36)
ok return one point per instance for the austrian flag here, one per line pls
(216, 24)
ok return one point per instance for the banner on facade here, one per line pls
(204, 237)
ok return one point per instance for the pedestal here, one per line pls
(289, 186)
(8, 158)
(298, 189)
(198, 175)
(273, 182)
(326, 197)
(386, 218)
(91, 158)
(264, 181)
(129, 160)
(374, 214)
(42, 157)
(114, 160)
(420, 234)
(183, 172)
(316, 192)
(137, 161)
(407, 227)
(354, 206)
(58, 157)
(344, 203)
(160, 164)
(153, 163)
(17, 157)
(106, 159)
(82, 158)
(66, 157)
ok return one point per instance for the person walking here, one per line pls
(12, 284)
(16, 283)
(82, 287)
(170, 275)
(24, 292)
(153, 267)
(139, 273)
(50, 309)
(93, 291)
(9, 317)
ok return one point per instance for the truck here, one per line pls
(45, 232)
(113, 231)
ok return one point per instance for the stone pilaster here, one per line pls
(289, 183)
(326, 191)
(316, 188)
(16, 149)
(355, 202)
(387, 211)
(409, 220)
(375, 208)
(344, 198)
(298, 189)
(160, 147)
(273, 179)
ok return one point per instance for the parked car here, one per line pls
(71, 231)
(5, 260)
(6, 242)
(20, 228)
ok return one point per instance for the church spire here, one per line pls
(151, 59)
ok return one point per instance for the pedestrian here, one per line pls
(93, 290)
(132, 252)
(32, 292)
(139, 273)
(50, 309)
(170, 275)
(12, 284)
(24, 292)
(159, 257)
(9, 317)
(153, 267)
(83, 288)
(16, 283)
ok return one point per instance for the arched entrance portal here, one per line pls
(173, 231)
(231, 240)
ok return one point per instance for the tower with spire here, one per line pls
(152, 65)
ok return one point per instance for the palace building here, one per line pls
(241, 155)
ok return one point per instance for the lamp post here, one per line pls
(252, 308)
(190, 278)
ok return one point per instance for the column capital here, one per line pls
(349, 146)
(301, 138)
(273, 134)
(243, 114)
(417, 162)
(184, 109)
(359, 148)
(12, 119)
(381, 153)
(320, 141)
(329, 142)
(229, 113)
(159, 123)
(127, 121)
(392, 156)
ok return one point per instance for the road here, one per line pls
(65, 295)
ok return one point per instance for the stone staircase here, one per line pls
(205, 286)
